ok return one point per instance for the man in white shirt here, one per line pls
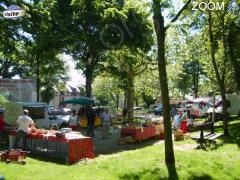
(23, 123)
(106, 120)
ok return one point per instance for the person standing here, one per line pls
(173, 111)
(106, 122)
(91, 116)
(23, 123)
(73, 120)
(124, 114)
(1, 126)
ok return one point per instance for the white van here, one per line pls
(39, 112)
(233, 107)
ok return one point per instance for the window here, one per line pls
(36, 112)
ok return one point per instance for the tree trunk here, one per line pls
(125, 99)
(160, 32)
(130, 96)
(148, 99)
(223, 86)
(225, 113)
(196, 82)
(234, 45)
(136, 101)
(195, 92)
(117, 100)
(38, 79)
(221, 82)
(89, 79)
(5, 69)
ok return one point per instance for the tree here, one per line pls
(184, 83)
(160, 30)
(107, 90)
(52, 75)
(10, 68)
(47, 94)
(42, 43)
(193, 71)
(126, 64)
(10, 39)
(219, 49)
(234, 46)
(147, 85)
(100, 26)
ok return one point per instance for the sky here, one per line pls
(76, 76)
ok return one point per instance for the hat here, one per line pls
(25, 111)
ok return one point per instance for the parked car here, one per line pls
(159, 109)
(138, 108)
(59, 117)
(152, 107)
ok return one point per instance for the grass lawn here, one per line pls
(147, 163)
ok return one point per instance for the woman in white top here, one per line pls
(73, 120)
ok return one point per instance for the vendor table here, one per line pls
(72, 148)
(139, 133)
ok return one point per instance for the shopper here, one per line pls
(1, 126)
(124, 114)
(106, 122)
(23, 123)
(91, 116)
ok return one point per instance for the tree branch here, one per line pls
(140, 72)
(179, 13)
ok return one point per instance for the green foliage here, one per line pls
(47, 94)
(10, 68)
(107, 90)
(147, 85)
(3, 99)
(99, 27)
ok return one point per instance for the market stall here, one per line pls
(138, 133)
(84, 101)
(71, 146)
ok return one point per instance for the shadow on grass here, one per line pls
(45, 158)
(234, 130)
(117, 148)
(151, 174)
(202, 177)
(156, 173)
(172, 172)
(38, 156)
(146, 173)
(111, 145)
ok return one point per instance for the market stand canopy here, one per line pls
(81, 101)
